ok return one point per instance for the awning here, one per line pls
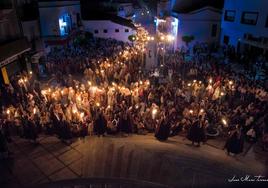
(10, 51)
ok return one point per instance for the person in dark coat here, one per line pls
(125, 123)
(163, 129)
(65, 133)
(100, 124)
(196, 132)
(235, 142)
(31, 130)
(3, 142)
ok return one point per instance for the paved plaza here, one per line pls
(174, 162)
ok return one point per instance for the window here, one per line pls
(126, 30)
(249, 18)
(266, 23)
(226, 39)
(96, 31)
(116, 30)
(229, 15)
(105, 31)
(214, 30)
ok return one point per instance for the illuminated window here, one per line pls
(229, 15)
(214, 30)
(62, 26)
(249, 18)
(65, 24)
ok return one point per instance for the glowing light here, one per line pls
(154, 112)
(89, 83)
(97, 104)
(62, 26)
(210, 80)
(43, 92)
(34, 110)
(8, 111)
(201, 110)
(194, 81)
(191, 111)
(162, 38)
(189, 84)
(31, 72)
(170, 38)
(231, 82)
(224, 121)
(222, 94)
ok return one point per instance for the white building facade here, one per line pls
(203, 24)
(58, 18)
(245, 24)
(109, 29)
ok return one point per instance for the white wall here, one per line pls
(31, 29)
(100, 25)
(235, 30)
(9, 27)
(49, 17)
(199, 24)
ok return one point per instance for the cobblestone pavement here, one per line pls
(174, 162)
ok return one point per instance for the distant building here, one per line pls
(59, 17)
(203, 24)
(125, 9)
(245, 25)
(109, 26)
(13, 46)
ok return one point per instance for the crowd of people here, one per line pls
(101, 88)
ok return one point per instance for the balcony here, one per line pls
(260, 42)
(5, 4)
(11, 50)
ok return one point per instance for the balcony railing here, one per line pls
(13, 48)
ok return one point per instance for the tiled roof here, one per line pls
(186, 6)
(112, 17)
